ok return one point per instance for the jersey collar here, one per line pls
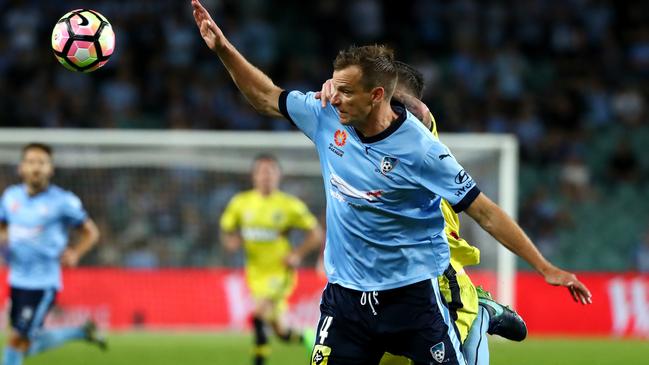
(398, 108)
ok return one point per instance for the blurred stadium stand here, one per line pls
(569, 78)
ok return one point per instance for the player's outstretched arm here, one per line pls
(504, 229)
(88, 237)
(259, 89)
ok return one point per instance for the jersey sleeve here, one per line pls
(444, 176)
(301, 217)
(230, 219)
(302, 110)
(73, 210)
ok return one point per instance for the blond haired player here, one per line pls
(259, 219)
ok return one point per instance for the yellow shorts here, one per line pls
(468, 311)
(273, 287)
(465, 315)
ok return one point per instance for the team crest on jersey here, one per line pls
(438, 352)
(340, 138)
(320, 355)
(387, 164)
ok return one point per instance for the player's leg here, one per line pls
(279, 305)
(28, 311)
(476, 347)
(14, 351)
(44, 340)
(503, 321)
(344, 335)
(462, 300)
(261, 349)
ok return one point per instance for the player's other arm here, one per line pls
(504, 229)
(259, 89)
(88, 237)
(312, 242)
(4, 236)
(231, 241)
(230, 225)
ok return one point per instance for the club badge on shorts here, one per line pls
(438, 352)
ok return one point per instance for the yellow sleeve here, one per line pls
(300, 216)
(433, 126)
(231, 217)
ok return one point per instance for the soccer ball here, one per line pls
(83, 40)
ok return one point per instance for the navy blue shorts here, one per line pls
(29, 308)
(359, 327)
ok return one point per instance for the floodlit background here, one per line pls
(567, 78)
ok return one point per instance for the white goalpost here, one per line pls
(121, 174)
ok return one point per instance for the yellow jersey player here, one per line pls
(473, 309)
(259, 219)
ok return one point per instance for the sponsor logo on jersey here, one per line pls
(336, 150)
(387, 164)
(345, 189)
(461, 177)
(340, 138)
(461, 191)
(259, 234)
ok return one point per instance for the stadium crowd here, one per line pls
(568, 78)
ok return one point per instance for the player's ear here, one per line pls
(377, 94)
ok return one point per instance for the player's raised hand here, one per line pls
(326, 93)
(578, 290)
(415, 106)
(211, 33)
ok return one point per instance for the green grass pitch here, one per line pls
(198, 348)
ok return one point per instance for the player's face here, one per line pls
(36, 168)
(353, 102)
(266, 176)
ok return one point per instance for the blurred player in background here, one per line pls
(384, 176)
(35, 217)
(260, 219)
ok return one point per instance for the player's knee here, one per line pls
(18, 342)
(263, 309)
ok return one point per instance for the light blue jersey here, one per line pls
(38, 233)
(385, 228)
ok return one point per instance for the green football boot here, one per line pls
(93, 336)
(503, 321)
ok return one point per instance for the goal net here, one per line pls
(157, 195)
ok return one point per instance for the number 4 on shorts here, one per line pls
(326, 323)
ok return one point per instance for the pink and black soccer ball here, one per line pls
(83, 40)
